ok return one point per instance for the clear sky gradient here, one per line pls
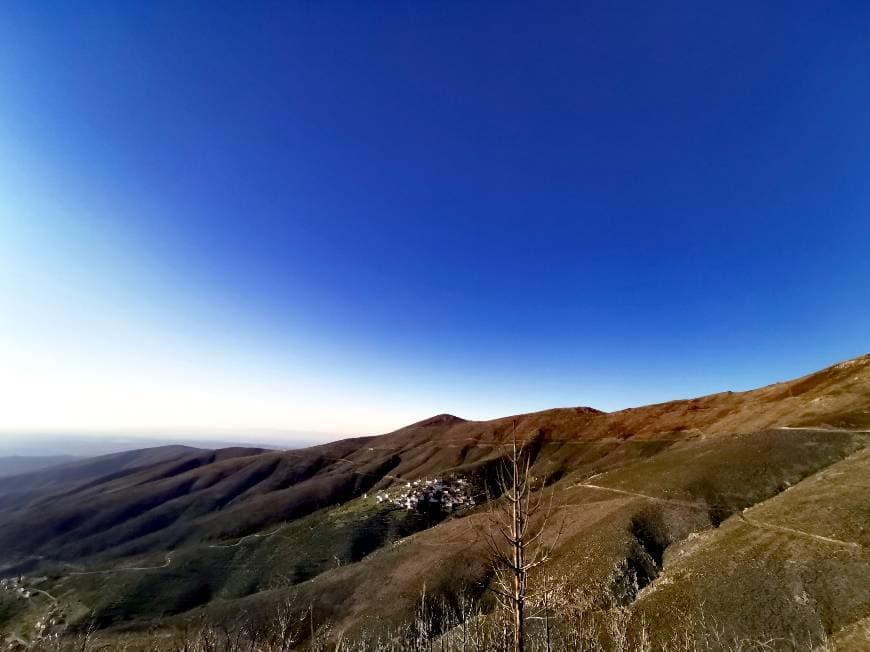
(344, 217)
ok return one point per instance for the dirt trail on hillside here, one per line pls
(822, 475)
(749, 521)
(371, 475)
(168, 561)
(672, 501)
(787, 530)
(264, 535)
(129, 568)
(45, 593)
(818, 429)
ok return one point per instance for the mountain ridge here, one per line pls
(231, 521)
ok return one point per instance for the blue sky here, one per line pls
(343, 217)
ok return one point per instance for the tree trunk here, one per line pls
(519, 561)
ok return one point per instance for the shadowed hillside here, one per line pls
(18, 464)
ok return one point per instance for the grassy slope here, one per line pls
(760, 579)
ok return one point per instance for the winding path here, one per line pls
(247, 536)
(45, 593)
(395, 478)
(165, 564)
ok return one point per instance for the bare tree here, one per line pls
(288, 625)
(516, 538)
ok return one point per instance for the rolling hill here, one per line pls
(739, 515)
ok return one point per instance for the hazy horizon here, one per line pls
(89, 443)
(36, 442)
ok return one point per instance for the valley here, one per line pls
(729, 518)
